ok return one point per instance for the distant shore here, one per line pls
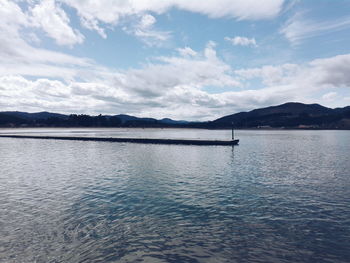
(179, 128)
(291, 115)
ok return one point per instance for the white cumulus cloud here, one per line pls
(55, 22)
(144, 30)
(45, 15)
(242, 41)
(187, 51)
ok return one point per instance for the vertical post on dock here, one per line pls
(233, 135)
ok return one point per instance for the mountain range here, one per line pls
(289, 115)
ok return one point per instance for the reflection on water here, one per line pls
(281, 196)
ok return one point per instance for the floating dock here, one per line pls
(129, 140)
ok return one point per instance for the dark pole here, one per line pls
(232, 133)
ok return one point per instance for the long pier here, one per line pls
(129, 140)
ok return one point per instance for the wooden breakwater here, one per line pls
(129, 140)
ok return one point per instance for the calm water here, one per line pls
(280, 196)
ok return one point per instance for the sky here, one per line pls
(182, 59)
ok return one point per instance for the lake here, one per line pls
(280, 196)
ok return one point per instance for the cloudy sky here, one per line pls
(184, 59)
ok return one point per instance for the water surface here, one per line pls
(280, 196)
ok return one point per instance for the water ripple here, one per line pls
(278, 197)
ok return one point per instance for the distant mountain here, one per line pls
(17, 118)
(170, 121)
(132, 120)
(48, 119)
(342, 110)
(34, 116)
(128, 118)
(288, 115)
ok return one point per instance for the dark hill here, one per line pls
(35, 115)
(132, 119)
(170, 121)
(48, 119)
(288, 115)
